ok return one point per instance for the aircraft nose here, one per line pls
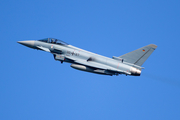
(29, 43)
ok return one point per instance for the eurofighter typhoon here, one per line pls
(127, 64)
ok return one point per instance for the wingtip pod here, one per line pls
(153, 46)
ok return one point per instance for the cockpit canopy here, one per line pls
(53, 41)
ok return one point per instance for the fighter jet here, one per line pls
(127, 64)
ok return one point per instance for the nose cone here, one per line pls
(29, 43)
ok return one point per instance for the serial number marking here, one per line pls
(72, 53)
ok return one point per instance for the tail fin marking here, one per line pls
(139, 56)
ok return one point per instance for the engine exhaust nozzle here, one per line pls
(135, 71)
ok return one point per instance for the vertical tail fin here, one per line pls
(139, 56)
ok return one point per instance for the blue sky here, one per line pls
(34, 86)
